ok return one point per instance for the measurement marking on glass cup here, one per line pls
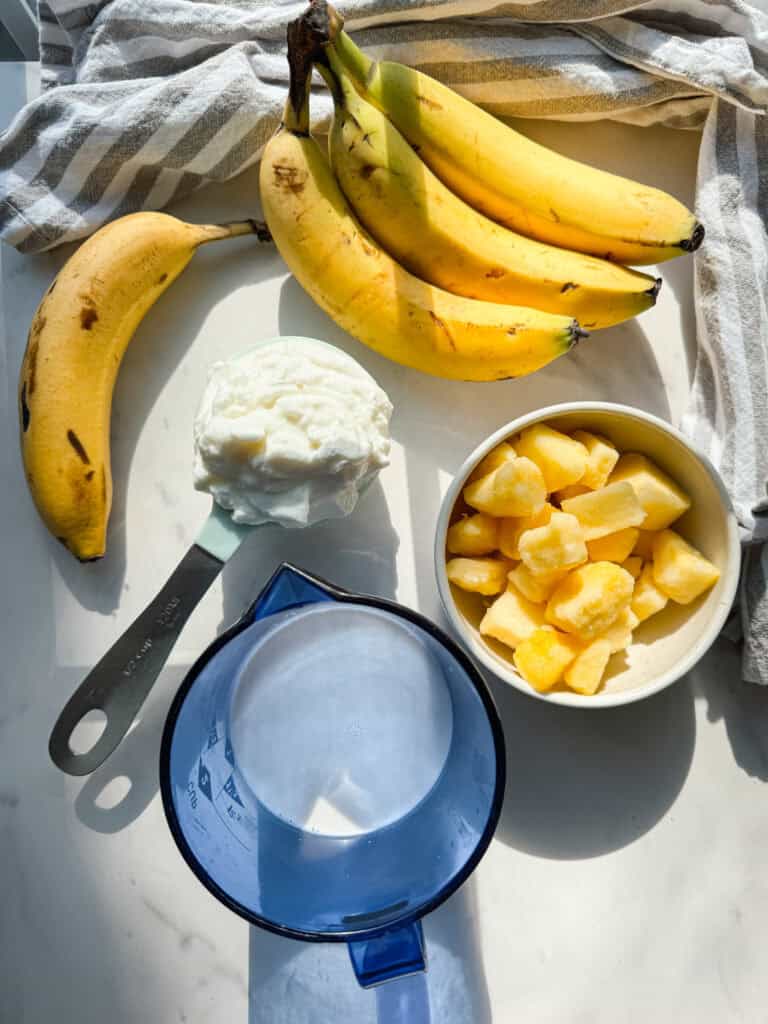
(225, 823)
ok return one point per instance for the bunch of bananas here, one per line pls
(436, 235)
(440, 237)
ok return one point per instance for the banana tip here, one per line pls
(260, 229)
(655, 288)
(697, 237)
(576, 334)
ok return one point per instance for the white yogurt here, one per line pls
(290, 432)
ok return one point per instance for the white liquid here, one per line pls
(341, 720)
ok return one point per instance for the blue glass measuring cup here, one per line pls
(332, 769)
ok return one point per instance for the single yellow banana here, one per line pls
(78, 336)
(508, 177)
(373, 297)
(440, 238)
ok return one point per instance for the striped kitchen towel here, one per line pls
(144, 103)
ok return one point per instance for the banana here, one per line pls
(78, 336)
(441, 239)
(370, 295)
(506, 176)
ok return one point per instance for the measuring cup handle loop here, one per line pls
(394, 953)
(397, 958)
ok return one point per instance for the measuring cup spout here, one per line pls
(290, 587)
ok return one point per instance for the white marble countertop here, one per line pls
(626, 882)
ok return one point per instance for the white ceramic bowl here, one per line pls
(667, 645)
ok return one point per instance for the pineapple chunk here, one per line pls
(536, 588)
(608, 510)
(512, 618)
(601, 458)
(514, 489)
(633, 565)
(679, 570)
(571, 491)
(561, 459)
(558, 545)
(585, 673)
(647, 598)
(619, 633)
(590, 598)
(473, 535)
(662, 499)
(544, 656)
(644, 544)
(614, 547)
(511, 530)
(479, 575)
(502, 453)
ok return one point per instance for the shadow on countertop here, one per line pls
(314, 983)
(743, 707)
(581, 783)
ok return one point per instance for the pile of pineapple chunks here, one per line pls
(574, 539)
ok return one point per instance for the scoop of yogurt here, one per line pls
(290, 432)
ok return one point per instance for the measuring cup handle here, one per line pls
(394, 961)
(120, 682)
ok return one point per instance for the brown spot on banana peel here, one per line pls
(290, 179)
(495, 272)
(89, 475)
(427, 102)
(34, 348)
(569, 286)
(367, 170)
(162, 279)
(88, 316)
(38, 323)
(77, 444)
(30, 356)
(25, 417)
(441, 325)
(555, 217)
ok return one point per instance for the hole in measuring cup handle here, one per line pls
(87, 731)
(394, 953)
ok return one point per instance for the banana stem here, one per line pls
(320, 30)
(334, 75)
(296, 114)
(213, 232)
(352, 57)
